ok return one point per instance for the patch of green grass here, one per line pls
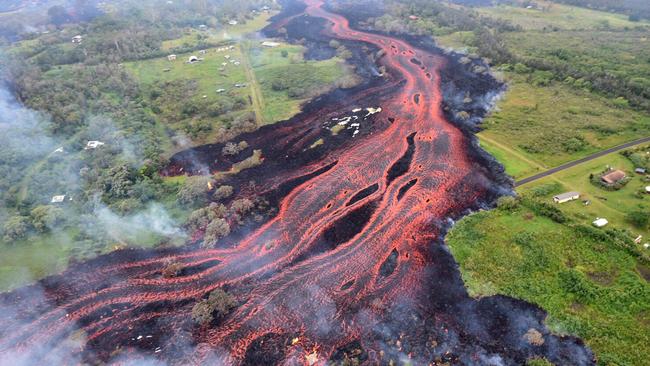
(590, 287)
(516, 165)
(612, 205)
(554, 124)
(558, 16)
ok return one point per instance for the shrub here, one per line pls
(15, 228)
(222, 192)
(46, 217)
(218, 304)
(639, 218)
(194, 191)
(507, 203)
(217, 229)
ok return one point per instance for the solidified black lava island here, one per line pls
(353, 264)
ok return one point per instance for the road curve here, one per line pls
(580, 161)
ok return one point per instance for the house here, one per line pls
(233, 22)
(77, 39)
(640, 171)
(192, 59)
(613, 177)
(599, 222)
(647, 189)
(566, 197)
(414, 17)
(171, 57)
(58, 199)
(270, 44)
(203, 27)
(93, 145)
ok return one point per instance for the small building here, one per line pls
(58, 198)
(640, 171)
(93, 145)
(233, 22)
(270, 44)
(203, 27)
(59, 150)
(613, 177)
(77, 39)
(171, 58)
(221, 90)
(192, 59)
(201, 52)
(414, 17)
(647, 189)
(566, 197)
(600, 222)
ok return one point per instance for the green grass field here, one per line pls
(559, 16)
(589, 286)
(538, 127)
(612, 205)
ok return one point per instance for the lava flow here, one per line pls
(353, 259)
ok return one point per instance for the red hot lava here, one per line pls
(353, 257)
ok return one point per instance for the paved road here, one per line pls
(580, 161)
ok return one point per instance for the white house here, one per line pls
(600, 222)
(93, 145)
(77, 39)
(171, 57)
(270, 44)
(58, 199)
(566, 197)
(647, 189)
(192, 59)
(233, 22)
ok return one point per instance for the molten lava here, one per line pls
(353, 256)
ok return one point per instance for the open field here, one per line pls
(612, 205)
(589, 286)
(558, 16)
(191, 37)
(546, 126)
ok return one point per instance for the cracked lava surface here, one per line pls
(353, 259)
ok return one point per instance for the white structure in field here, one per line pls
(600, 222)
(171, 57)
(270, 44)
(58, 199)
(566, 197)
(93, 145)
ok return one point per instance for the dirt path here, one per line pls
(256, 93)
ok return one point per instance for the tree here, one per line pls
(222, 192)
(284, 53)
(639, 218)
(194, 191)
(15, 228)
(45, 217)
(216, 230)
(218, 304)
(507, 203)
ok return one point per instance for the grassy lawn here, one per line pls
(587, 283)
(551, 125)
(612, 205)
(559, 16)
(229, 32)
